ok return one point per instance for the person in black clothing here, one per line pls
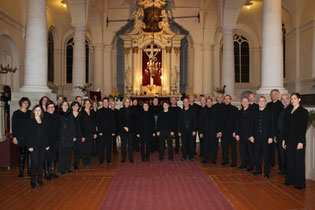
(274, 106)
(165, 130)
(207, 132)
(95, 106)
(155, 109)
(202, 111)
(42, 103)
(218, 108)
(196, 109)
(37, 143)
(67, 137)
(19, 123)
(52, 119)
(262, 136)
(175, 110)
(244, 131)
(135, 109)
(60, 99)
(106, 125)
(127, 130)
(252, 101)
(88, 132)
(187, 130)
(283, 117)
(294, 143)
(145, 131)
(75, 107)
(228, 129)
(113, 107)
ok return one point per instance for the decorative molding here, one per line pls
(177, 50)
(127, 50)
(135, 49)
(10, 21)
(168, 49)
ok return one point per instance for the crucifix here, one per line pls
(153, 67)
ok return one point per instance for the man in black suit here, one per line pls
(228, 129)
(113, 107)
(252, 101)
(263, 136)
(274, 106)
(187, 129)
(282, 119)
(196, 108)
(175, 110)
(106, 125)
(202, 111)
(155, 109)
(218, 108)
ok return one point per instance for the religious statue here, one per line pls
(174, 76)
(127, 76)
(151, 19)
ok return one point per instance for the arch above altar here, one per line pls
(152, 51)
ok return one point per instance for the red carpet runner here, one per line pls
(161, 186)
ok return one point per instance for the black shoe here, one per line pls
(54, 176)
(204, 161)
(249, 169)
(47, 177)
(183, 159)
(233, 165)
(101, 163)
(214, 163)
(224, 163)
(242, 167)
(109, 163)
(286, 184)
(191, 160)
(281, 173)
(298, 188)
(62, 173)
(131, 161)
(69, 172)
(123, 161)
(40, 182)
(256, 173)
(143, 161)
(267, 176)
(75, 168)
(33, 185)
(147, 160)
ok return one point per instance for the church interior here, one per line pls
(157, 48)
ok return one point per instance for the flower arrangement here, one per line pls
(85, 88)
(116, 96)
(311, 118)
(192, 94)
(220, 90)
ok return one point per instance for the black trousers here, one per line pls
(104, 142)
(23, 152)
(154, 143)
(262, 149)
(145, 140)
(37, 158)
(51, 154)
(229, 141)
(188, 144)
(114, 143)
(214, 142)
(281, 156)
(201, 145)
(127, 138)
(207, 140)
(194, 143)
(77, 152)
(272, 151)
(165, 134)
(295, 166)
(135, 143)
(176, 150)
(64, 162)
(87, 149)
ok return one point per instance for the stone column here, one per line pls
(197, 86)
(217, 67)
(107, 77)
(35, 75)
(79, 64)
(228, 77)
(272, 49)
(98, 67)
(207, 69)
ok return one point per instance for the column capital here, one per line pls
(228, 30)
(78, 27)
(207, 45)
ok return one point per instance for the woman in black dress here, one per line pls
(37, 143)
(95, 108)
(294, 143)
(52, 119)
(145, 131)
(127, 130)
(19, 124)
(42, 103)
(88, 131)
(67, 137)
(75, 107)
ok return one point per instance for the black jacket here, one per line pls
(187, 120)
(77, 126)
(296, 126)
(126, 119)
(263, 124)
(165, 121)
(229, 120)
(145, 122)
(19, 126)
(175, 113)
(88, 123)
(67, 129)
(282, 119)
(53, 121)
(245, 122)
(106, 121)
(218, 108)
(37, 134)
(207, 119)
(275, 108)
(196, 109)
(155, 111)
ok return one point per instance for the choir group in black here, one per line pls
(48, 134)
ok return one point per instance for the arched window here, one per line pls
(283, 42)
(50, 75)
(69, 60)
(241, 57)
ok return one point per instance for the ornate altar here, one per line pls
(152, 52)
